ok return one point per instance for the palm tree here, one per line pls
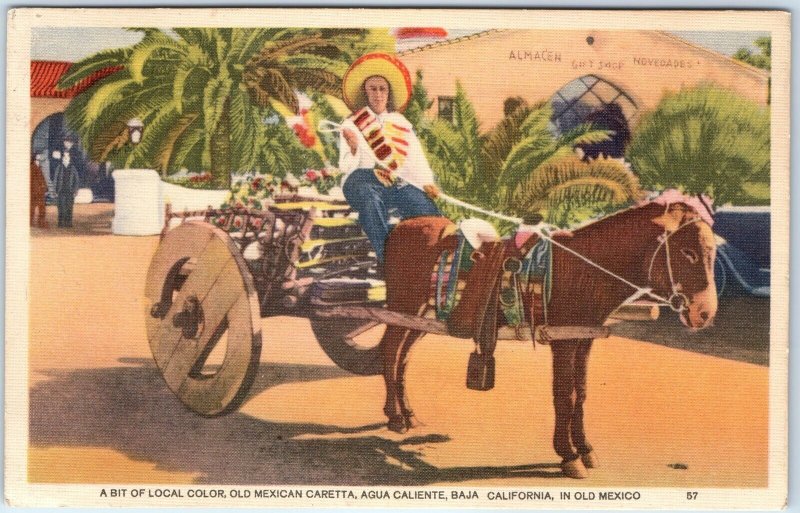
(454, 148)
(761, 60)
(493, 169)
(202, 95)
(524, 141)
(569, 190)
(705, 140)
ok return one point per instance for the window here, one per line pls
(590, 99)
(446, 108)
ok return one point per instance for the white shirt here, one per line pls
(415, 168)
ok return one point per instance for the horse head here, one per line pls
(682, 264)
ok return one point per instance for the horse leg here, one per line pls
(578, 434)
(564, 352)
(392, 344)
(408, 414)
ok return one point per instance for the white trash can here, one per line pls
(137, 202)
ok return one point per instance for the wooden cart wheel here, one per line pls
(203, 319)
(352, 344)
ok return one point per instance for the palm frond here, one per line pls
(153, 43)
(569, 188)
(108, 94)
(84, 68)
(584, 133)
(188, 149)
(215, 95)
(498, 142)
(317, 80)
(164, 155)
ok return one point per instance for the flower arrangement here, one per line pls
(193, 181)
(322, 180)
(253, 192)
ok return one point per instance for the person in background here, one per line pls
(38, 193)
(66, 184)
(379, 154)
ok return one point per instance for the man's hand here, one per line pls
(431, 190)
(351, 139)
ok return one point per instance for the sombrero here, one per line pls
(387, 66)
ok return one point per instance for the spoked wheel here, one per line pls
(352, 344)
(203, 321)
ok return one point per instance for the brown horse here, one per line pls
(630, 244)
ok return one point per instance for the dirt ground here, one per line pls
(100, 411)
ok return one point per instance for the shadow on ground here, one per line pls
(740, 331)
(89, 219)
(130, 410)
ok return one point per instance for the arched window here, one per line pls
(590, 99)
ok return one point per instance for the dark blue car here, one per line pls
(743, 250)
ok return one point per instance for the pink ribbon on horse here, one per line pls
(702, 207)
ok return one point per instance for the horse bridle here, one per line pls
(677, 301)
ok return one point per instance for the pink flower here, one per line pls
(237, 222)
(312, 175)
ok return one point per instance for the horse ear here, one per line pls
(672, 218)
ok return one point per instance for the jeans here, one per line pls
(372, 200)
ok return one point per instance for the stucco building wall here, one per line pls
(534, 64)
(43, 107)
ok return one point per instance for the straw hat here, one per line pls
(387, 66)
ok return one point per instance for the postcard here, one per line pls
(507, 259)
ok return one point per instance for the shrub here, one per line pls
(704, 140)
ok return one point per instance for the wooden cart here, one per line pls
(217, 272)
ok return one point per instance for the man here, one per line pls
(38, 193)
(379, 154)
(66, 184)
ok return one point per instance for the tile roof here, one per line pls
(46, 74)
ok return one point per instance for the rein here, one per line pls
(677, 301)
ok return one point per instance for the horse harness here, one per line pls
(528, 277)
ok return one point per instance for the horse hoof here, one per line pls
(575, 469)
(397, 424)
(589, 460)
(412, 422)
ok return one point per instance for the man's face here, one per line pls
(377, 89)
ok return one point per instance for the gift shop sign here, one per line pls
(547, 55)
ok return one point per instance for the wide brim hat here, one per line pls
(384, 65)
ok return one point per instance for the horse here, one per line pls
(668, 248)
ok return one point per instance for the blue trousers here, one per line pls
(372, 200)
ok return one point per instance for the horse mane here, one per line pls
(610, 218)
